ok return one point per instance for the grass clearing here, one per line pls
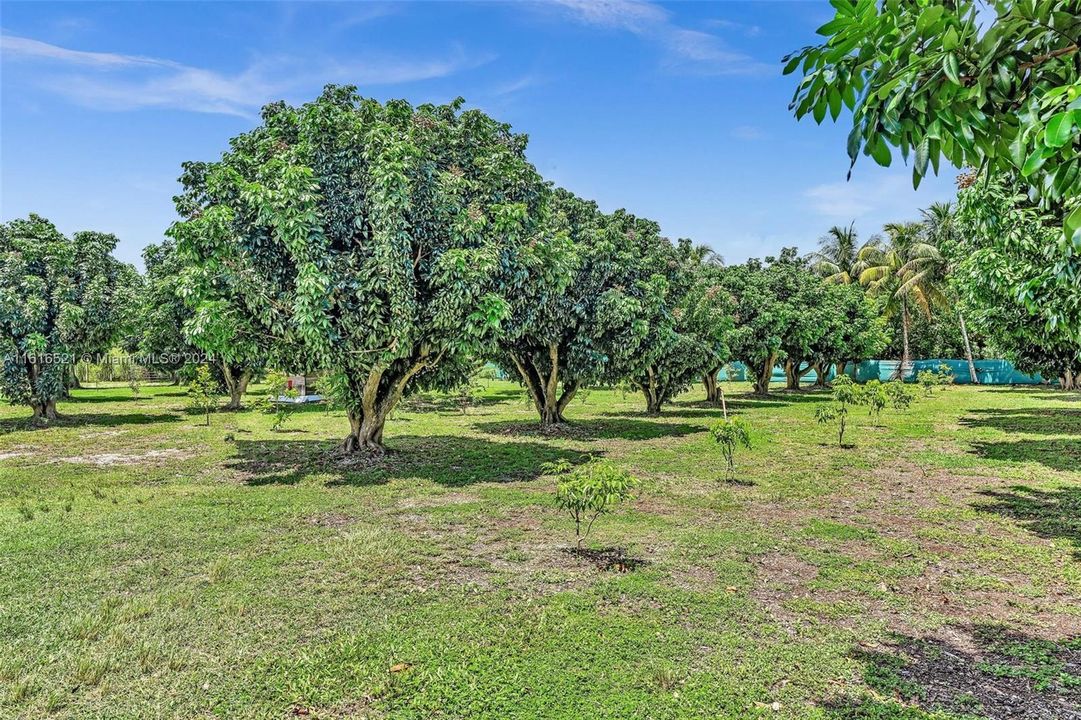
(151, 566)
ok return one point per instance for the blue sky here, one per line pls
(677, 112)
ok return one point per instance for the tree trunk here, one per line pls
(544, 391)
(821, 370)
(761, 383)
(44, 412)
(237, 385)
(653, 403)
(365, 433)
(906, 356)
(713, 389)
(652, 393)
(1068, 381)
(972, 377)
(377, 399)
(839, 369)
(791, 375)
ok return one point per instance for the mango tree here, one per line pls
(372, 241)
(666, 327)
(1005, 276)
(853, 331)
(60, 298)
(577, 307)
(937, 80)
(162, 313)
(767, 305)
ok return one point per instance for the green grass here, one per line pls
(154, 567)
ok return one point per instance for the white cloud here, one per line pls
(112, 81)
(686, 49)
(20, 47)
(748, 132)
(634, 16)
(748, 30)
(885, 195)
(513, 86)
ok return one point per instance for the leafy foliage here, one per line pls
(278, 388)
(730, 433)
(873, 395)
(1017, 286)
(373, 241)
(592, 490)
(898, 394)
(931, 379)
(783, 311)
(689, 319)
(60, 298)
(766, 307)
(595, 302)
(162, 311)
(845, 394)
(203, 391)
(925, 78)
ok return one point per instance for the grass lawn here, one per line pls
(152, 567)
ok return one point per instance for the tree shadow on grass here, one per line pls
(1041, 392)
(607, 558)
(982, 671)
(1055, 454)
(1051, 514)
(67, 420)
(439, 402)
(1049, 421)
(614, 427)
(449, 460)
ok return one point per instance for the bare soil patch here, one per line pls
(150, 457)
(984, 670)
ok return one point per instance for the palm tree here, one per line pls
(941, 230)
(838, 252)
(906, 271)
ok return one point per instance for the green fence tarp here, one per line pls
(988, 372)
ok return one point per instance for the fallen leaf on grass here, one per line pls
(400, 667)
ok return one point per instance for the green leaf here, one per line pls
(1059, 130)
(884, 91)
(952, 69)
(834, 102)
(1072, 225)
(919, 167)
(950, 39)
(881, 153)
(1035, 161)
(834, 26)
(928, 18)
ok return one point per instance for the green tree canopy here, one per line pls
(162, 312)
(175, 331)
(1006, 279)
(770, 311)
(688, 314)
(60, 298)
(925, 78)
(849, 329)
(374, 241)
(550, 339)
